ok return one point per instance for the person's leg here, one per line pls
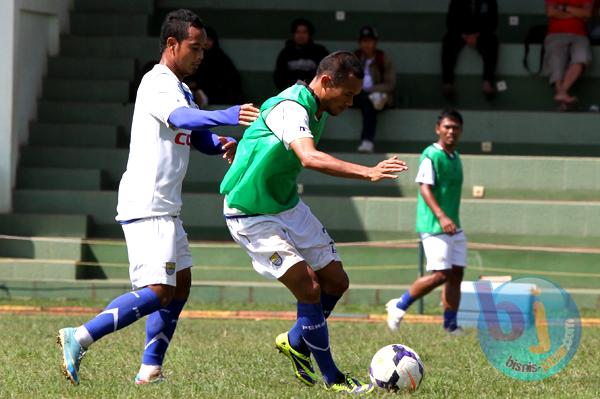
(369, 120)
(160, 328)
(487, 46)
(121, 312)
(452, 43)
(451, 297)
(555, 65)
(333, 281)
(436, 248)
(302, 283)
(161, 325)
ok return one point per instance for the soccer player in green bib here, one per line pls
(440, 179)
(267, 218)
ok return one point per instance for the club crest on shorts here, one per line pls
(275, 259)
(170, 268)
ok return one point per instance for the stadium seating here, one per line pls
(539, 189)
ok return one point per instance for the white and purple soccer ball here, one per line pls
(396, 368)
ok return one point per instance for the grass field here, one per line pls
(236, 358)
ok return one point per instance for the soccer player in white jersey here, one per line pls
(166, 122)
(267, 218)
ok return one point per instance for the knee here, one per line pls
(311, 293)
(339, 286)
(440, 277)
(165, 294)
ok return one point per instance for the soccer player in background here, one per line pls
(267, 218)
(440, 179)
(166, 122)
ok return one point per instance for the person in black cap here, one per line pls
(378, 85)
(300, 57)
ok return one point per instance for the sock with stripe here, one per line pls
(405, 301)
(160, 327)
(328, 302)
(120, 313)
(316, 336)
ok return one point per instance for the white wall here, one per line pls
(31, 29)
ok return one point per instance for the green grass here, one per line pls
(233, 358)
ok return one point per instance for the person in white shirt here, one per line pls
(166, 122)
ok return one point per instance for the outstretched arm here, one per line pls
(195, 119)
(312, 158)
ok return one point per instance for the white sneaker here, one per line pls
(366, 146)
(394, 314)
(457, 332)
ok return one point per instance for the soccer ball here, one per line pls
(396, 368)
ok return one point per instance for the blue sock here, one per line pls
(450, 322)
(160, 327)
(123, 311)
(328, 302)
(316, 336)
(405, 301)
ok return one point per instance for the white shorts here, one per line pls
(277, 242)
(157, 248)
(444, 251)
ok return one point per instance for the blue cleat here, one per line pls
(72, 354)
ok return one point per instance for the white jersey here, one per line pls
(158, 154)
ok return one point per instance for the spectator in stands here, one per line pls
(378, 85)
(300, 57)
(594, 24)
(568, 49)
(216, 81)
(474, 23)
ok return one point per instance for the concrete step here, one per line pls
(392, 25)
(86, 90)
(124, 23)
(15, 268)
(106, 113)
(59, 179)
(428, 6)
(74, 135)
(91, 68)
(115, 6)
(44, 225)
(385, 216)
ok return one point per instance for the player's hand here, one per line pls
(447, 225)
(248, 114)
(230, 147)
(387, 169)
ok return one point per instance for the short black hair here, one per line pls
(340, 65)
(302, 22)
(176, 24)
(450, 114)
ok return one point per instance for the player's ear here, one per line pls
(171, 42)
(326, 81)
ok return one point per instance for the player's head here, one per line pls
(338, 79)
(182, 40)
(449, 128)
(302, 31)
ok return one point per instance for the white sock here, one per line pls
(82, 335)
(148, 370)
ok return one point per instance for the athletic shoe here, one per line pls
(156, 377)
(302, 365)
(394, 314)
(351, 385)
(72, 354)
(457, 332)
